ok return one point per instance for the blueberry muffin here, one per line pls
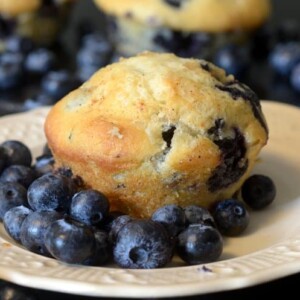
(157, 129)
(39, 20)
(189, 28)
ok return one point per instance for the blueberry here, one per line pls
(65, 172)
(103, 252)
(12, 58)
(200, 42)
(13, 220)
(91, 57)
(39, 61)
(172, 217)
(199, 244)
(89, 207)
(106, 224)
(182, 44)
(34, 228)
(95, 51)
(143, 244)
(231, 217)
(90, 60)
(57, 84)
(38, 100)
(10, 74)
(96, 41)
(258, 191)
(51, 192)
(17, 153)
(167, 136)
(233, 163)
(284, 57)
(232, 58)
(11, 194)
(196, 214)
(174, 3)
(17, 173)
(46, 150)
(116, 225)
(70, 241)
(44, 164)
(83, 29)
(16, 43)
(295, 77)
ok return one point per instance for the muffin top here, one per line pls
(156, 120)
(141, 95)
(192, 15)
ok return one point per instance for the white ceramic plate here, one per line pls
(269, 249)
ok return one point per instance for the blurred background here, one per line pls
(40, 74)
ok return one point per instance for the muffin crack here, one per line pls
(167, 134)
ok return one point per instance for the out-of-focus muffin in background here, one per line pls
(39, 20)
(188, 28)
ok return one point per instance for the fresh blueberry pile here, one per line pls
(45, 75)
(49, 213)
(94, 52)
(25, 65)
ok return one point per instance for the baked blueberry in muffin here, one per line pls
(156, 129)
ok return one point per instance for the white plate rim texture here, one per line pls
(266, 263)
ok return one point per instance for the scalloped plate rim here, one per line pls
(224, 275)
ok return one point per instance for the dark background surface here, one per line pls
(267, 87)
